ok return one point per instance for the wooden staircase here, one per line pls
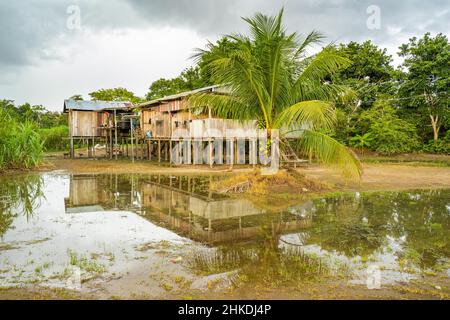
(288, 156)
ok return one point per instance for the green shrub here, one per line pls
(361, 141)
(441, 146)
(20, 144)
(55, 138)
(385, 131)
(393, 135)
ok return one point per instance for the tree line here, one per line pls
(393, 109)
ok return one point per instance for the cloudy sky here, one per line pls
(53, 49)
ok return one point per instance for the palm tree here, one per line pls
(272, 79)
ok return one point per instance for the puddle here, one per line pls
(160, 232)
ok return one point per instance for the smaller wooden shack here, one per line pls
(101, 120)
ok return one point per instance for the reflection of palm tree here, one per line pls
(345, 224)
(263, 262)
(19, 195)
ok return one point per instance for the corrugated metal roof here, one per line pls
(181, 95)
(95, 105)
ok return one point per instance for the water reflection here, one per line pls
(183, 204)
(402, 232)
(414, 224)
(405, 228)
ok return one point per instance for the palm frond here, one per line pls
(224, 106)
(325, 63)
(314, 114)
(326, 92)
(330, 152)
(314, 37)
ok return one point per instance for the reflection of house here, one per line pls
(88, 193)
(84, 190)
(180, 204)
(209, 220)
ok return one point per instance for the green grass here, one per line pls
(412, 160)
(55, 138)
(85, 264)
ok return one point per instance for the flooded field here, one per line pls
(160, 236)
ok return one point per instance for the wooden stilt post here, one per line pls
(159, 150)
(70, 118)
(132, 147)
(89, 150)
(72, 151)
(110, 143)
(93, 146)
(170, 152)
(166, 146)
(231, 155)
(211, 160)
(235, 146)
(115, 133)
(150, 150)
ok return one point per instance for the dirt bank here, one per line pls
(125, 166)
(381, 176)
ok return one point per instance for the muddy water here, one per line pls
(153, 235)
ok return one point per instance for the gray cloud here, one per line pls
(34, 34)
(24, 31)
(338, 19)
(28, 28)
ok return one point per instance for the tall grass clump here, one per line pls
(21, 147)
(54, 138)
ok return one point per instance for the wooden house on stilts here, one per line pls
(94, 122)
(170, 122)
